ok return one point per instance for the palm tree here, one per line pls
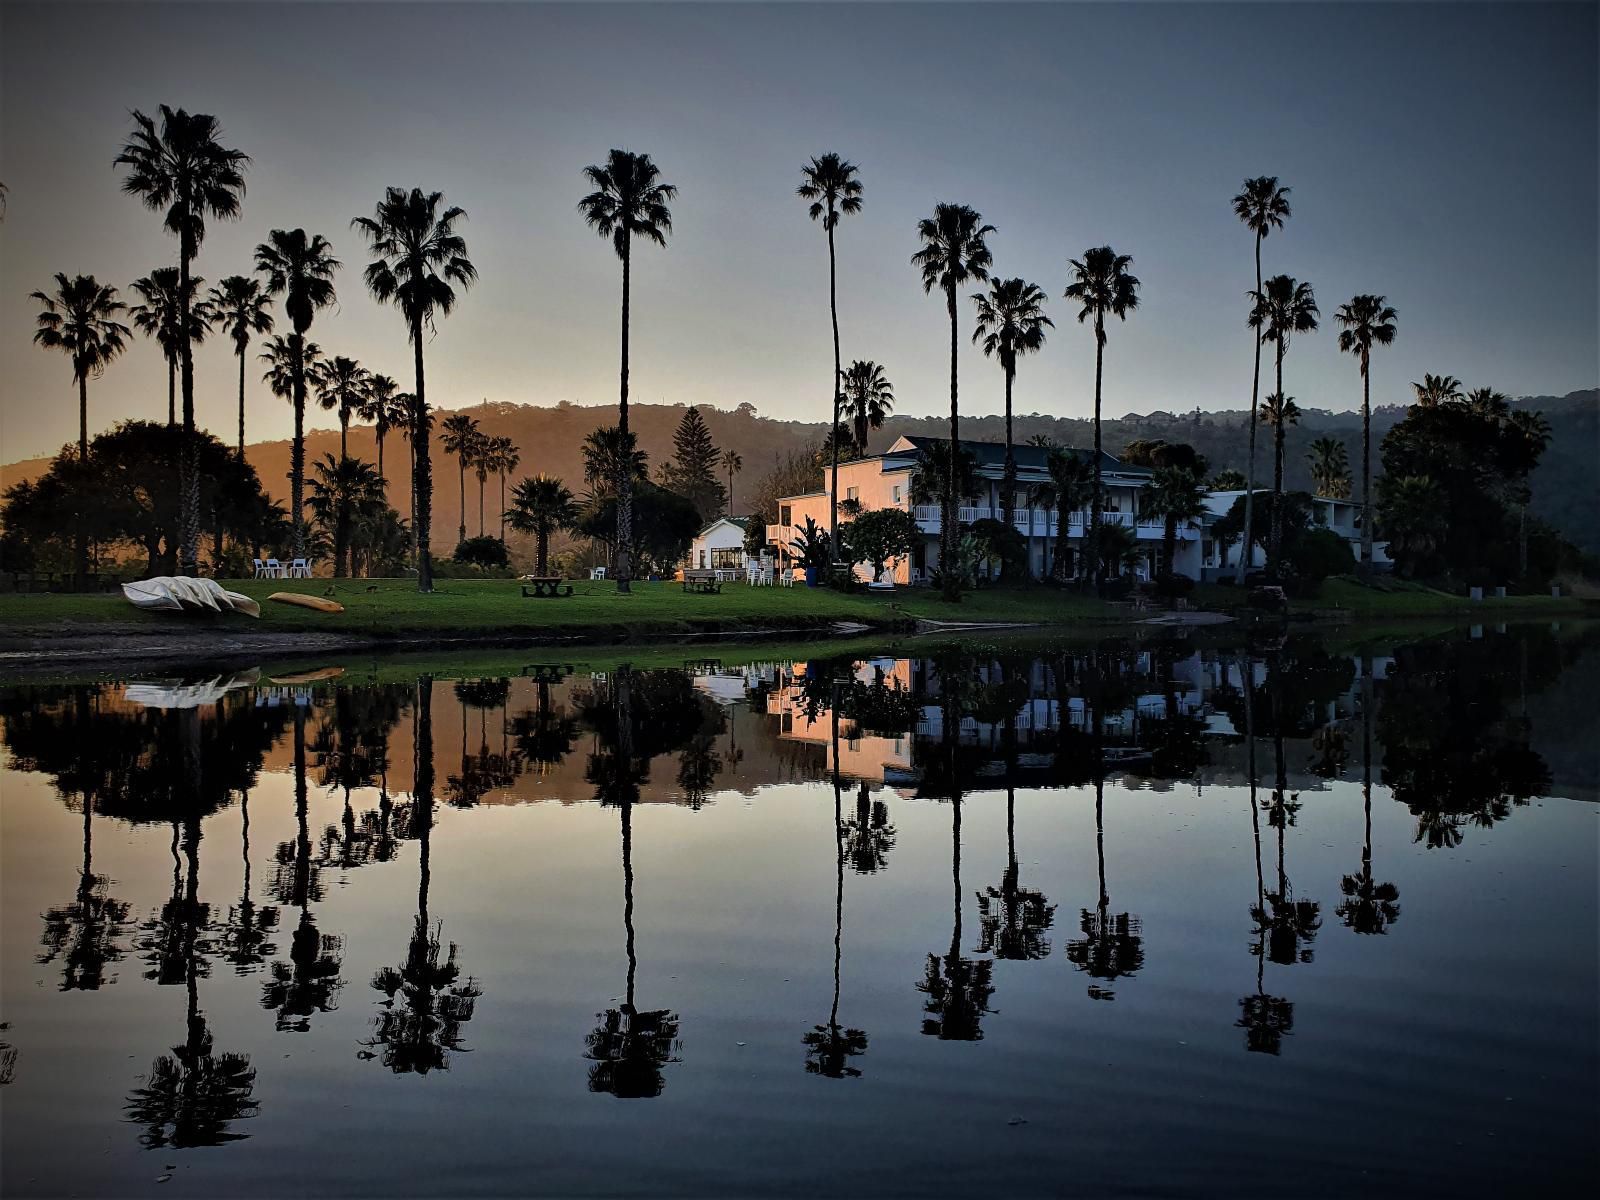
(483, 460)
(341, 385)
(1280, 412)
(830, 183)
(1263, 205)
(460, 437)
(242, 307)
(299, 267)
(1069, 486)
(418, 260)
(186, 172)
(1438, 389)
(954, 253)
(339, 488)
(1011, 321)
(1366, 321)
(1412, 511)
(1283, 307)
(1229, 479)
(77, 320)
(609, 454)
(1177, 495)
(540, 506)
(1534, 432)
(504, 458)
(733, 463)
(868, 398)
(159, 318)
(629, 201)
(385, 407)
(1330, 468)
(1101, 284)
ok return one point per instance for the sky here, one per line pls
(1444, 155)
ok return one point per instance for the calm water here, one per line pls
(1162, 917)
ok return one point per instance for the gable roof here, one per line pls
(1028, 457)
(736, 522)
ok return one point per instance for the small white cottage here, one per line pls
(720, 545)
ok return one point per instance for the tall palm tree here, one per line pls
(77, 320)
(482, 463)
(830, 183)
(339, 488)
(732, 463)
(1176, 495)
(385, 407)
(1068, 488)
(1365, 321)
(1263, 205)
(159, 316)
(1282, 307)
(505, 458)
(183, 171)
(1101, 284)
(1330, 468)
(460, 436)
(1438, 389)
(868, 399)
(418, 260)
(954, 253)
(629, 201)
(540, 506)
(1278, 411)
(1011, 321)
(242, 307)
(1534, 432)
(299, 267)
(341, 385)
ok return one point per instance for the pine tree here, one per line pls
(692, 473)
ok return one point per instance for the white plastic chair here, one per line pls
(261, 567)
(597, 572)
(273, 568)
(300, 568)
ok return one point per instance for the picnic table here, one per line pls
(703, 583)
(545, 587)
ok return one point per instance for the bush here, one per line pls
(1170, 586)
(1119, 588)
(482, 552)
(1314, 556)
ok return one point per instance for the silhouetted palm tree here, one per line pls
(418, 260)
(1283, 307)
(540, 506)
(299, 267)
(1101, 285)
(241, 307)
(504, 458)
(459, 435)
(1435, 390)
(1013, 920)
(954, 253)
(386, 408)
(341, 385)
(247, 933)
(868, 400)
(1177, 496)
(1365, 321)
(1368, 906)
(1070, 485)
(183, 172)
(732, 463)
(339, 489)
(1330, 467)
(830, 183)
(1011, 322)
(1263, 205)
(158, 317)
(629, 201)
(1278, 411)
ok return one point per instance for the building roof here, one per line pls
(1028, 456)
(740, 522)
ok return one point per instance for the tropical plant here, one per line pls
(504, 458)
(1177, 496)
(1278, 411)
(877, 536)
(629, 201)
(868, 399)
(1069, 485)
(540, 506)
(1011, 322)
(158, 317)
(1435, 390)
(418, 261)
(1101, 285)
(185, 173)
(1411, 512)
(1365, 321)
(299, 267)
(954, 253)
(930, 478)
(1284, 307)
(812, 548)
(338, 489)
(830, 183)
(341, 385)
(1330, 468)
(1119, 550)
(608, 455)
(460, 436)
(1263, 205)
(241, 307)
(732, 463)
(1229, 479)
(386, 408)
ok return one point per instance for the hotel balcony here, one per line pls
(1041, 524)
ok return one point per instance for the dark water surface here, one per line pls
(1159, 917)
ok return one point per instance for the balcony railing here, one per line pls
(1040, 523)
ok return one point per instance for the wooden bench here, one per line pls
(704, 583)
(545, 587)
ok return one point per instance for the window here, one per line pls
(897, 493)
(783, 515)
(702, 560)
(852, 493)
(727, 557)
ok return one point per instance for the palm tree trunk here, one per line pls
(378, 433)
(1058, 569)
(461, 471)
(80, 536)
(241, 404)
(422, 473)
(1366, 468)
(502, 506)
(947, 532)
(481, 481)
(422, 791)
(297, 451)
(1250, 466)
(1095, 567)
(189, 469)
(623, 559)
(1008, 477)
(344, 433)
(833, 425)
(172, 391)
(1275, 533)
(543, 538)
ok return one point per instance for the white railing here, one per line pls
(779, 534)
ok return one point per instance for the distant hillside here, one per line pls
(1566, 486)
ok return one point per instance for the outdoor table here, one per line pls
(545, 587)
(705, 583)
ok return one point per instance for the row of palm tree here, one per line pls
(483, 454)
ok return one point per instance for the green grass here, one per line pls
(1389, 598)
(394, 607)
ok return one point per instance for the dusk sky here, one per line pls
(1444, 155)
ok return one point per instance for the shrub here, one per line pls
(1170, 586)
(1313, 556)
(482, 552)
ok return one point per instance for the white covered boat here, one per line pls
(181, 593)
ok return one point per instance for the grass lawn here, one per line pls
(1400, 599)
(387, 607)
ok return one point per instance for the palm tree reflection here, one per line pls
(1368, 905)
(1013, 920)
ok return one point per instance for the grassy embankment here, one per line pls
(1387, 598)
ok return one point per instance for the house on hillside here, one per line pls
(1341, 516)
(884, 481)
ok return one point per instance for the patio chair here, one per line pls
(260, 568)
(300, 568)
(273, 569)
